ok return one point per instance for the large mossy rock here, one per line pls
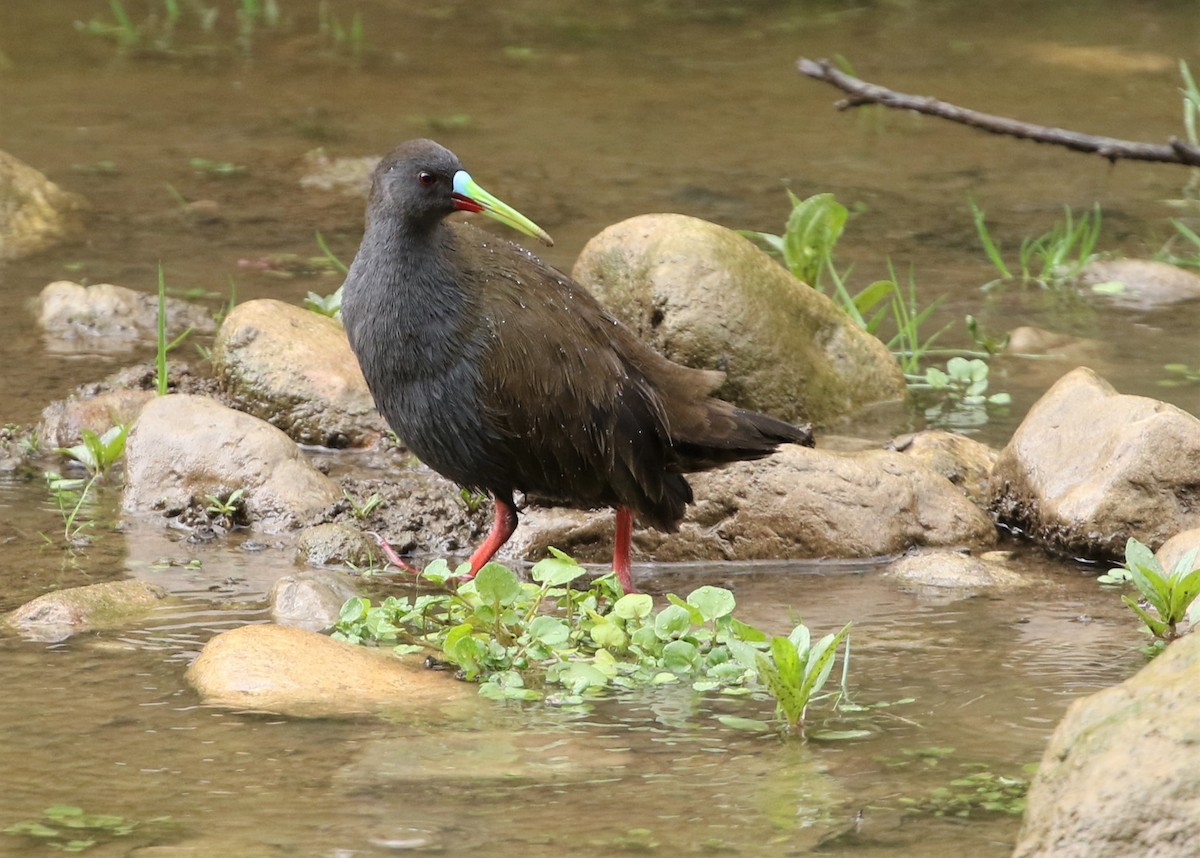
(1089, 467)
(705, 296)
(183, 448)
(294, 368)
(35, 213)
(1121, 775)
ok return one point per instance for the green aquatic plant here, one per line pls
(161, 382)
(327, 305)
(363, 510)
(1051, 260)
(1169, 597)
(806, 247)
(796, 670)
(960, 393)
(977, 793)
(97, 454)
(67, 828)
(546, 639)
(227, 510)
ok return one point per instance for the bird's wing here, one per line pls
(566, 385)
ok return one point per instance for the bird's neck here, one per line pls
(403, 296)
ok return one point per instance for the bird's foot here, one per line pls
(390, 555)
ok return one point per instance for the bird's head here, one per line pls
(423, 182)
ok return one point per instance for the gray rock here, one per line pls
(35, 213)
(799, 503)
(183, 448)
(110, 318)
(336, 544)
(294, 368)
(1089, 467)
(302, 673)
(63, 422)
(1119, 776)
(928, 571)
(1148, 283)
(108, 605)
(310, 600)
(705, 296)
(964, 462)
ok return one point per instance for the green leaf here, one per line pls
(1156, 626)
(839, 735)
(786, 660)
(549, 630)
(557, 570)
(353, 610)
(736, 722)
(31, 829)
(712, 602)
(633, 606)
(609, 635)
(680, 656)
(694, 614)
(497, 585)
(1183, 592)
(672, 621)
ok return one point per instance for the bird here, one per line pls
(506, 376)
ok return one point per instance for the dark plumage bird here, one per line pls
(504, 375)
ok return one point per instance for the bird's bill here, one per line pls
(470, 197)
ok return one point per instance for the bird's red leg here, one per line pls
(621, 543)
(390, 555)
(503, 526)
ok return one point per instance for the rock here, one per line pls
(294, 368)
(110, 318)
(35, 213)
(799, 503)
(347, 175)
(336, 544)
(297, 672)
(951, 570)
(1055, 353)
(183, 448)
(1089, 467)
(1118, 777)
(1148, 284)
(110, 605)
(1174, 549)
(63, 422)
(706, 297)
(310, 600)
(965, 463)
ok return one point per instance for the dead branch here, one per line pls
(861, 92)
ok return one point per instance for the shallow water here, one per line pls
(580, 115)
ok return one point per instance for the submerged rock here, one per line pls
(1119, 776)
(108, 605)
(1089, 467)
(183, 448)
(705, 296)
(302, 673)
(953, 571)
(310, 600)
(1175, 548)
(799, 503)
(294, 368)
(35, 213)
(110, 318)
(1146, 283)
(336, 544)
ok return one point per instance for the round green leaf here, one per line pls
(712, 602)
(496, 584)
(633, 606)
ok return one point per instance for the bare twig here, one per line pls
(861, 92)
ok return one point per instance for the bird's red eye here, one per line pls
(426, 178)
